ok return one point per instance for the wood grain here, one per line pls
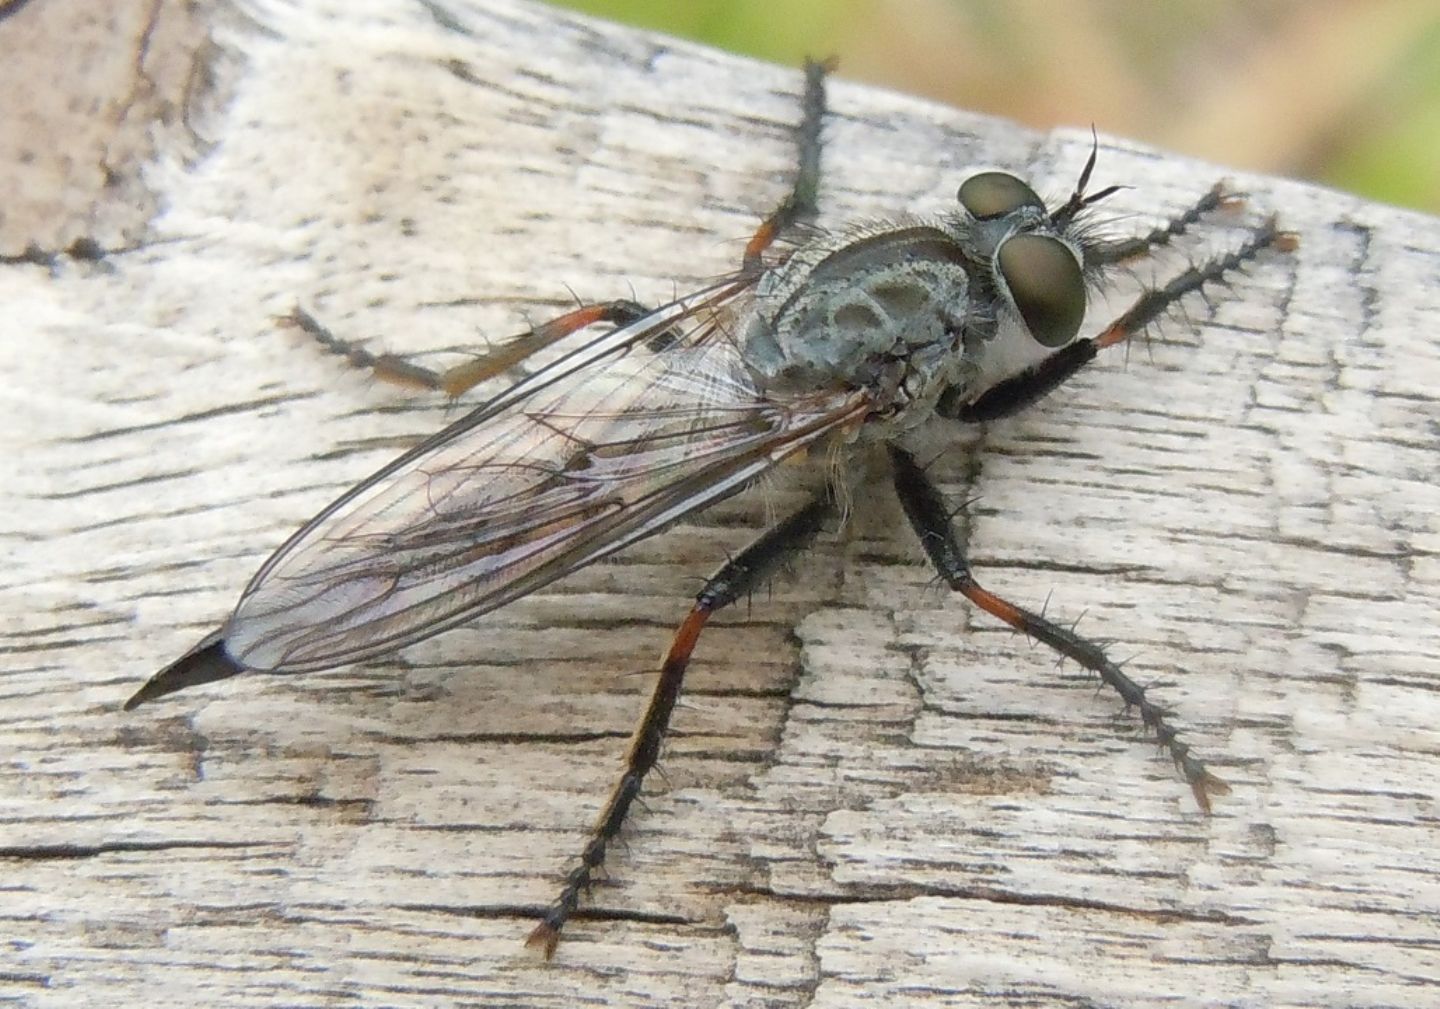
(873, 796)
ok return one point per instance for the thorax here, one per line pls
(890, 310)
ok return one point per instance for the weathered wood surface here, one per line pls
(873, 796)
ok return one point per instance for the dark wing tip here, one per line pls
(204, 663)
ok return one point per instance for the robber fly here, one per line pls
(834, 341)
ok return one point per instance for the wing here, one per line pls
(612, 442)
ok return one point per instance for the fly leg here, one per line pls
(1015, 393)
(1122, 250)
(462, 377)
(801, 204)
(930, 518)
(798, 206)
(735, 580)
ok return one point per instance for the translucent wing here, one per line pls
(611, 443)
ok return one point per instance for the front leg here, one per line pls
(1019, 391)
(930, 518)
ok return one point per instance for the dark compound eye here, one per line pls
(995, 194)
(1046, 284)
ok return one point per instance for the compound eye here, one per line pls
(995, 194)
(1046, 285)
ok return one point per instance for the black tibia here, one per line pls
(930, 518)
(736, 579)
(456, 380)
(1016, 393)
(802, 202)
(205, 663)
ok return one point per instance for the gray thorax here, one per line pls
(906, 311)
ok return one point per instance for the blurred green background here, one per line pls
(1344, 92)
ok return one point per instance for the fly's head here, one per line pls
(1033, 259)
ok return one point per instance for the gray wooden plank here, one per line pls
(873, 795)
